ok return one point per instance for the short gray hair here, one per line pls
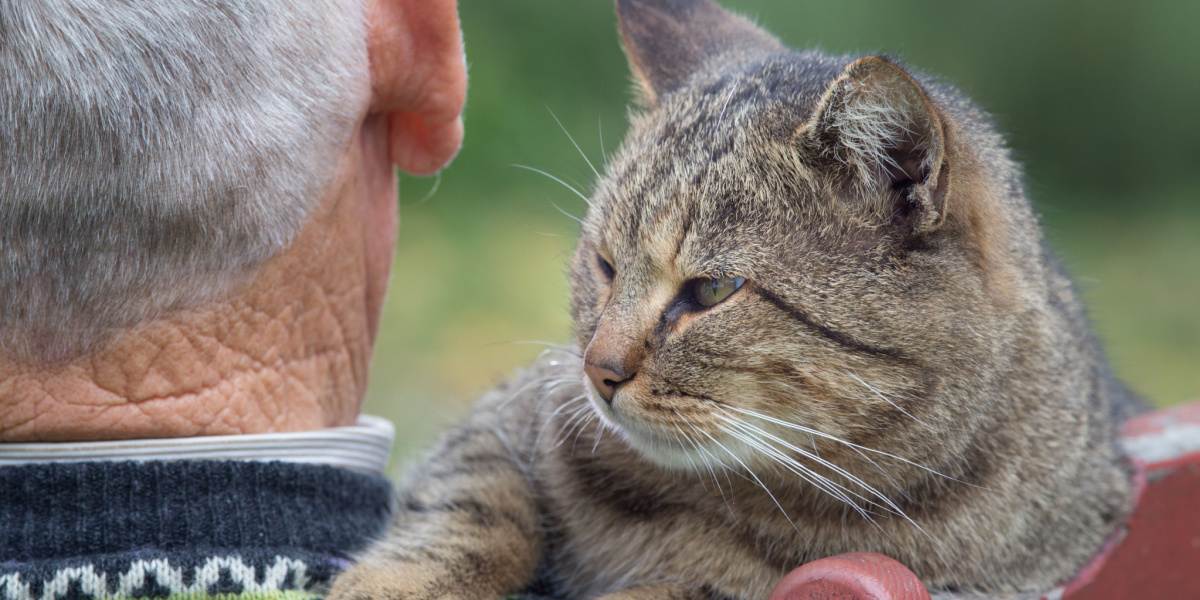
(151, 152)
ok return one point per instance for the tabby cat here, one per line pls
(814, 315)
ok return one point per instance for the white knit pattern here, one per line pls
(160, 571)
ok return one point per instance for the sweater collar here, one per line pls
(363, 447)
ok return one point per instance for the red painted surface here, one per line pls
(856, 576)
(1160, 420)
(1157, 555)
(1160, 555)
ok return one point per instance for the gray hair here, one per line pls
(152, 152)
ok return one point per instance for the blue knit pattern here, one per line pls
(191, 529)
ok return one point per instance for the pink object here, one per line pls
(1156, 555)
(856, 576)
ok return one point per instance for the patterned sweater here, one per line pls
(182, 529)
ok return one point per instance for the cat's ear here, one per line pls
(879, 130)
(667, 41)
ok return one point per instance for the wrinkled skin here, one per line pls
(287, 350)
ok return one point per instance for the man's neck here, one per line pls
(287, 351)
(178, 382)
(235, 367)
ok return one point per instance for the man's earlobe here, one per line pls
(878, 130)
(668, 41)
(418, 79)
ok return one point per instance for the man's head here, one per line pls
(154, 155)
(197, 200)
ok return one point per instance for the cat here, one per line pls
(814, 315)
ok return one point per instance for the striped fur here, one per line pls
(906, 370)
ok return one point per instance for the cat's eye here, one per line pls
(605, 267)
(710, 292)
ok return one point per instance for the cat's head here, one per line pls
(787, 246)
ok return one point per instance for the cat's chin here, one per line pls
(658, 450)
(656, 447)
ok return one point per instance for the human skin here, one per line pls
(288, 348)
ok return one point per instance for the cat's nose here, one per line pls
(606, 378)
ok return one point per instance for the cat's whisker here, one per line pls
(687, 454)
(834, 438)
(743, 431)
(702, 456)
(891, 506)
(437, 184)
(806, 454)
(888, 505)
(600, 132)
(552, 387)
(550, 346)
(549, 420)
(574, 143)
(567, 429)
(591, 418)
(725, 469)
(725, 106)
(712, 474)
(570, 402)
(558, 180)
(819, 481)
(599, 435)
(547, 384)
(566, 213)
(881, 396)
(754, 475)
(747, 435)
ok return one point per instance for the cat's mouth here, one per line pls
(672, 442)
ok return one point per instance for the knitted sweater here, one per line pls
(182, 529)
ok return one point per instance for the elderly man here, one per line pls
(197, 218)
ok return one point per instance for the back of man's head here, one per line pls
(153, 152)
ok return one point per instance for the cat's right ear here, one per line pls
(880, 133)
(668, 41)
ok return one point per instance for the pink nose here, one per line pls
(606, 379)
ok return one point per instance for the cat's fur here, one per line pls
(901, 323)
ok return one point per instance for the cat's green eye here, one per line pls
(710, 292)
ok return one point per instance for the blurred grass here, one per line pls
(1098, 100)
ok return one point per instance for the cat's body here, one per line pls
(818, 318)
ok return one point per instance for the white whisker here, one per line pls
(599, 435)
(578, 415)
(704, 456)
(574, 143)
(550, 419)
(821, 482)
(600, 131)
(888, 505)
(566, 214)
(570, 187)
(880, 395)
(833, 438)
(754, 475)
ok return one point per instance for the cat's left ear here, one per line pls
(669, 41)
(879, 130)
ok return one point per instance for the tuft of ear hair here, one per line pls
(669, 41)
(879, 126)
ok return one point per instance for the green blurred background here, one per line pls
(1099, 100)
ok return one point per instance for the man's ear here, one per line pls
(667, 41)
(877, 129)
(418, 79)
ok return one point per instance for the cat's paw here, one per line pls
(394, 582)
